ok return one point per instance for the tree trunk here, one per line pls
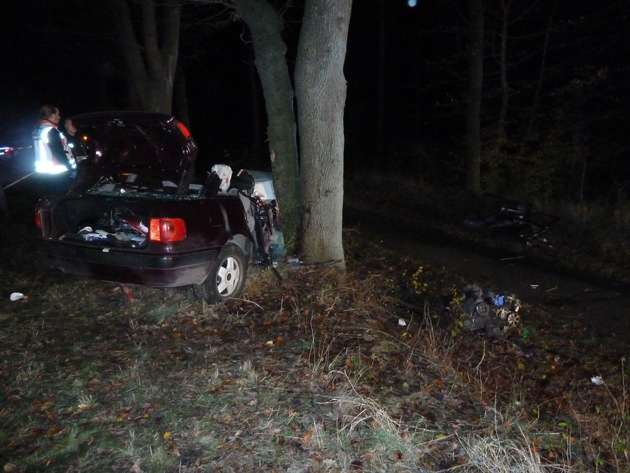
(541, 73)
(271, 64)
(180, 96)
(150, 54)
(505, 8)
(320, 88)
(473, 111)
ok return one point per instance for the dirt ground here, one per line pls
(98, 378)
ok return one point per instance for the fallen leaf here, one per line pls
(54, 430)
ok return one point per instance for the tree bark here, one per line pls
(150, 54)
(320, 88)
(505, 10)
(541, 73)
(271, 64)
(473, 111)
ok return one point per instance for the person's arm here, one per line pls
(56, 146)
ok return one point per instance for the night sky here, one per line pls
(62, 52)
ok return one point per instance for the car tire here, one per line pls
(226, 278)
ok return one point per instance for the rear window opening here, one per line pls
(135, 185)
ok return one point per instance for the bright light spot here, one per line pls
(412, 3)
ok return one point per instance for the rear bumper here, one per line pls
(126, 265)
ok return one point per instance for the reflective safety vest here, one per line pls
(45, 160)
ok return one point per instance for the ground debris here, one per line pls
(484, 310)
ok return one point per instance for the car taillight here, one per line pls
(183, 129)
(167, 229)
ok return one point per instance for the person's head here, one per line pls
(69, 126)
(50, 112)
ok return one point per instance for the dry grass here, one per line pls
(324, 373)
(312, 376)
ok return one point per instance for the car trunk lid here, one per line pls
(135, 143)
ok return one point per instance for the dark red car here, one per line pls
(134, 213)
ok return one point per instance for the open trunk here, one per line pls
(113, 222)
(114, 215)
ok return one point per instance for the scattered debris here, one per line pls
(485, 310)
(16, 296)
(115, 227)
(597, 380)
(514, 218)
(127, 292)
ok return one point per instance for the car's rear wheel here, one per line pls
(226, 278)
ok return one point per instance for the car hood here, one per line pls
(149, 144)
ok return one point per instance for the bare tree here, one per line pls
(473, 111)
(150, 51)
(320, 88)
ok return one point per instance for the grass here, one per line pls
(343, 387)
(322, 373)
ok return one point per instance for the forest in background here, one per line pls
(553, 112)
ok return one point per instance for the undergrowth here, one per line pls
(322, 373)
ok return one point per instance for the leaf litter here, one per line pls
(317, 374)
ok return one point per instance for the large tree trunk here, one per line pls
(473, 111)
(271, 64)
(320, 88)
(150, 54)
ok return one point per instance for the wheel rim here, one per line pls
(228, 276)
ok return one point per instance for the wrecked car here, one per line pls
(134, 214)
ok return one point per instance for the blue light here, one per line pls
(412, 3)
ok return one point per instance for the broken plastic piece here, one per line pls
(225, 174)
(127, 292)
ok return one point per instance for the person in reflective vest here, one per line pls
(52, 153)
